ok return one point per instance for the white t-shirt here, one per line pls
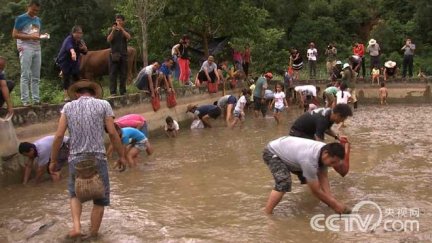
(148, 70)
(208, 66)
(240, 104)
(174, 126)
(306, 89)
(279, 100)
(300, 153)
(173, 49)
(344, 99)
(312, 54)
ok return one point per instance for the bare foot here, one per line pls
(73, 234)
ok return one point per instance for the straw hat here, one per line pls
(390, 64)
(190, 107)
(372, 42)
(84, 83)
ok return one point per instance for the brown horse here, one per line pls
(96, 64)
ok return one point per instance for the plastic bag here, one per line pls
(8, 138)
(171, 100)
(155, 103)
(197, 124)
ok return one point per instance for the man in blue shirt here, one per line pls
(27, 33)
(165, 75)
(5, 89)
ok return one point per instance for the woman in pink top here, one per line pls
(133, 120)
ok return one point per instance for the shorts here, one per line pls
(281, 171)
(232, 100)
(62, 158)
(257, 103)
(278, 110)
(140, 145)
(238, 114)
(102, 167)
(215, 113)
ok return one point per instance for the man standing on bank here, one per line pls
(287, 155)
(85, 118)
(118, 39)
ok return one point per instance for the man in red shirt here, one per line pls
(358, 50)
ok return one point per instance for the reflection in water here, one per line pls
(211, 185)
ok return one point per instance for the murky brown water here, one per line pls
(211, 185)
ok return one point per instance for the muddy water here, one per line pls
(211, 185)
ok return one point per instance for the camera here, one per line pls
(329, 47)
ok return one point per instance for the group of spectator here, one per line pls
(356, 60)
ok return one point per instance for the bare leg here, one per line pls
(96, 219)
(76, 208)
(132, 155)
(273, 200)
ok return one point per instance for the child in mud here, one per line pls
(239, 108)
(279, 101)
(171, 127)
(383, 94)
(134, 141)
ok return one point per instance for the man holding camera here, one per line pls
(118, 38)
(330, 52)
(408, 60)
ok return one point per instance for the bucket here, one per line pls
(88, 183)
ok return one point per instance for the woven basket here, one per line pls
(88, 183)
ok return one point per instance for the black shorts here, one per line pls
(257, 103)
(215, 113)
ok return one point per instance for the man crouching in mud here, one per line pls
(295, 155)
(85, 118)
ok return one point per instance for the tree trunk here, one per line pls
(205, 44)
(144, 42)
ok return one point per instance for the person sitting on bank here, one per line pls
(147, 78)
(204, 113)
(6, 87)
(40, 151)
(337, 71)
(314, 124)
(209, 71)
(309, 158)
(390, 70)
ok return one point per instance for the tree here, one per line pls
(146, 11)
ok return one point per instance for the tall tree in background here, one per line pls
(145, 11)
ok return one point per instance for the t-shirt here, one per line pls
(331, 90)
(240, 104)
(204, 110)
(312, 54)
(130, 135)
(279, 98)
(165, 70)
(131, 120)
(259, 86)
(375, 71)
(44, 147)
(314, 123)
(409, 50)
(306, 90)
(373, 50)
(210, 67)
(300, 153)
(119, 42)
(28, 25)
(173, 49)
(173, 127)
(344, 99)
(85, 120)
(223, 101)
(359, 50)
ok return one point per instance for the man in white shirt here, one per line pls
(308, 95)
(146, 79)
(208, 71)
(310, 158)
(312, 54)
